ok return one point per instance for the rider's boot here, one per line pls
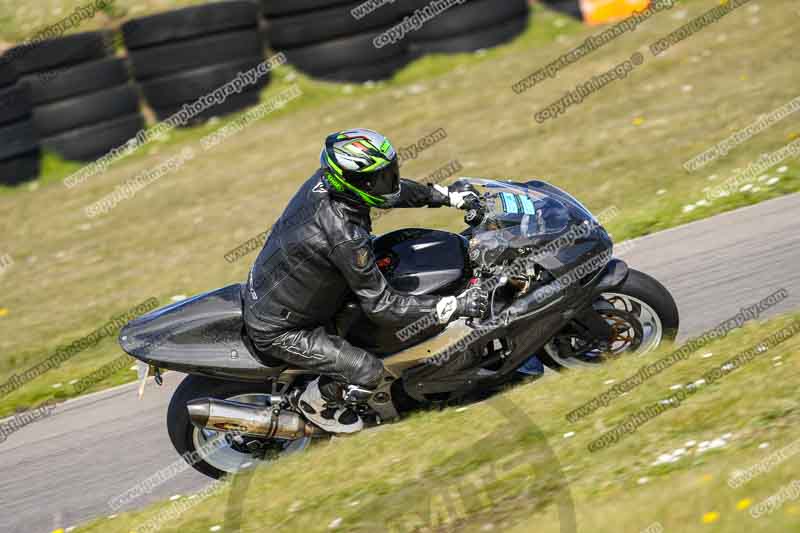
(322, 403)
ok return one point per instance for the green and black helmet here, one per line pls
(362, 165)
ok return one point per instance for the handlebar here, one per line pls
(476, 213)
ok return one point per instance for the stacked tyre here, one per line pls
(181, 56)
(473, 25)
(322, 38)
(570, 8)
(19, 143)
(83, 103)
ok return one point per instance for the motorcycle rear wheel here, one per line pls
(218, 453)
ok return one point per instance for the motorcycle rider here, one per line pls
(319, 251)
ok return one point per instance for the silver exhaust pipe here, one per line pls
(250, 420)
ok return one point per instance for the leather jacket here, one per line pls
(318, 253)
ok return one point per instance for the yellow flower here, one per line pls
(744, 504)
(3, 311)
(710, 518)
(638, 121)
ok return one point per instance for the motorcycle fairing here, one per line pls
(533, 324)
(200, 335)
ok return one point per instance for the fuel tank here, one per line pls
(414, 261)
(422, 261)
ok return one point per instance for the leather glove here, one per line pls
(461, 199)
(473, 302)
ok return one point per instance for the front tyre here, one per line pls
(641, 312)
(213, 453)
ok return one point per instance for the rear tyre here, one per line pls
(229, 456)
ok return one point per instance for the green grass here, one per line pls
(620, 147)
(436, 466)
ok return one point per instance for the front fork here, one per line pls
(587, 322)
(590, 324)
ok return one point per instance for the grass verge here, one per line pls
(476, 469)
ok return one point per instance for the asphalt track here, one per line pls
(61, 471)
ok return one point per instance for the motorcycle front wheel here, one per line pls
(642, 314)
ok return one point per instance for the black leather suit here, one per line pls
(318, 252)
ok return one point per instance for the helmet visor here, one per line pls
(383, 182)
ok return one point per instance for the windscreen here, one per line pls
(519, 215)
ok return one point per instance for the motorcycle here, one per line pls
(559, 299)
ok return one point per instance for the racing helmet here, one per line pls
(362, 166)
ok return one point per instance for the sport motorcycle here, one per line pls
(559, 300)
